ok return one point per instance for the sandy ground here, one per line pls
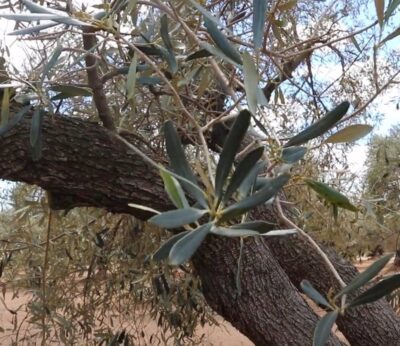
(12, 308)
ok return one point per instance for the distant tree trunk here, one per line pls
(85, 165)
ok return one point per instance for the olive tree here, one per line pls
(196, 116)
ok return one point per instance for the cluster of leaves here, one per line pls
(216, 205)
(338, 304)
(247, 190)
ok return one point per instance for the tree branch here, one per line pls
(94, 81)
(83, 164)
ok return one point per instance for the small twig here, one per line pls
(328, 262)
(44, 273)
(94, 81)
(377, 93)
(222, 116)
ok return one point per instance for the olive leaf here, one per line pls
(330, 195)
(180, 165)
(364, 277)
(323, 328)
(321, 126)
(185, 247)
(350, 134)
(178, 217)
(230, 149)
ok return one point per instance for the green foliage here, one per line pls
(66, 91)
(250, 75)
(321, 126)
(100, 280)
(330, 195)
(323, 329)
(36, 134)
(377, 291)
(381, 289)
(177, 218)
(149, 88)
(312, 293)
(222, 42)
(180, 165)
(293, 154)
(363, 278)
(185, 247)
(259, 13)
(181, 249)
(230, 149)
(350, 134)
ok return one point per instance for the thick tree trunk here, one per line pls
(85, 165)
(268, 310)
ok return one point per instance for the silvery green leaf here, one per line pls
(378, 291)
(222, 42)
(259, 226)
(202, 53)
(178, 217)
(259, 14)
(187, 246)
(30, 17)
(173, 66)
(233, 232)
(230, 149)
(242, 170)
(248, 183)
(35, 8)
(164, 250)
(364, 277)
(312, 293)
(350, 134)
(293, 154)
(215, 51)
(52, 62)
(331, 195)
(279, 233)
(63, 17)
(174, 190)
(180, 165)
(33, 29)
(36, 134)
(261, 196)
(321, 126)
(131, 79)
(323, 329)
(143, 207)
(250, 82)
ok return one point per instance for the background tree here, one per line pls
(382, 189)
(148, 62)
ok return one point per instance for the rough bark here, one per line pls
(268, 309)
(83, 164)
